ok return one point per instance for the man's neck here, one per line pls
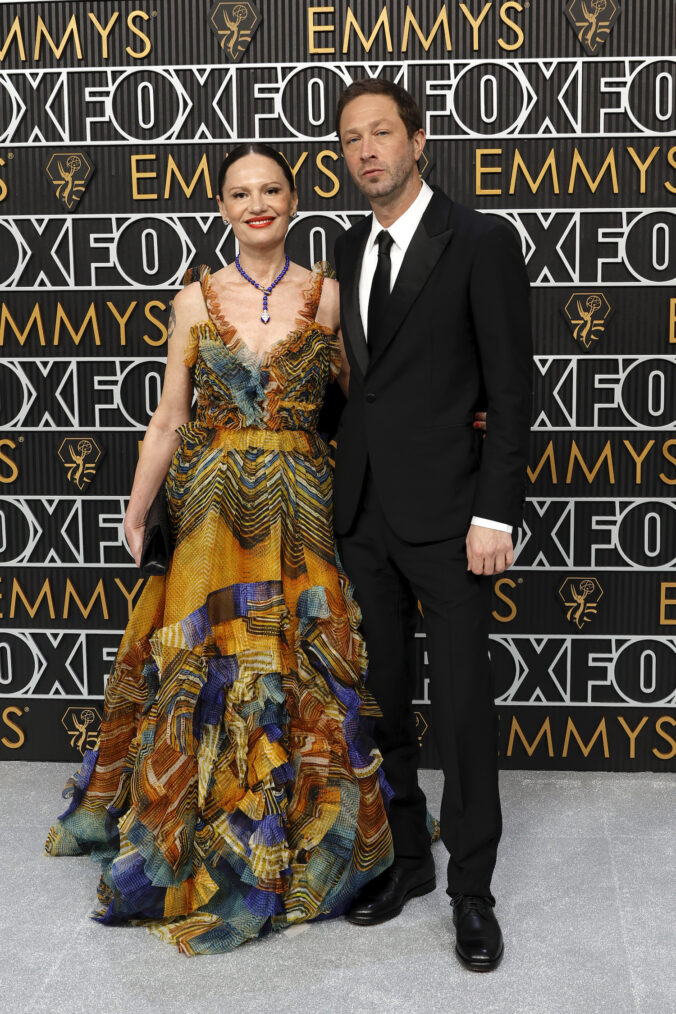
(391, 208)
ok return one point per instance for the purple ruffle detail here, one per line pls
(270, 831)
(263, 903)
(222, 672)
(78, 784)
(386, 789)
(196, 627)
(283, 773)
(273, 732)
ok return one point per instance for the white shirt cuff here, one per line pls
(498, 526)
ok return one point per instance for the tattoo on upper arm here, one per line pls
(172, 322)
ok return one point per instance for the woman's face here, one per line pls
(257, 200)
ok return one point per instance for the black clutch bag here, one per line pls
(156, 537)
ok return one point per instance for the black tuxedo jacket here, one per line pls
(457, 337)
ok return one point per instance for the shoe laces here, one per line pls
(472, 901)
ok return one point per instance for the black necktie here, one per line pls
(380, 290)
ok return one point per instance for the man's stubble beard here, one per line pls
(384, 192)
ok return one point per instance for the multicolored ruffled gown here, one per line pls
(235, 788)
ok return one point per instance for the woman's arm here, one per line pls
(161, 439)
(328, 314)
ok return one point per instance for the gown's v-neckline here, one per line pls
(231, 335)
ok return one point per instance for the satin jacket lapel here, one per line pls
(353, 328)
(429, 242)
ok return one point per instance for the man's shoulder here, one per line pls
(360, 228)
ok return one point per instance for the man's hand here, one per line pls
(488, 551)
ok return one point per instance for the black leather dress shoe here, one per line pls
(385, 896)
(479, 944)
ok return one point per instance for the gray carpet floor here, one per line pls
(585, 884)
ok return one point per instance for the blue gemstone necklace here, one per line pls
(265, 316)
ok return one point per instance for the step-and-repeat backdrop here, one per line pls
(556, 115)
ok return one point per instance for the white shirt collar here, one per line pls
(403, 228)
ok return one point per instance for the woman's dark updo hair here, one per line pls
(255, 148)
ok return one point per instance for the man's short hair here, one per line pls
(408, 108)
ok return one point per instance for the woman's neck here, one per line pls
(263, 265)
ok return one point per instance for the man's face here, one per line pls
(380, 155)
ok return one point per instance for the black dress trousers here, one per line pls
(390, 577)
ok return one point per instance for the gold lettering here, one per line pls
(3, 185)
(35, 318)
(578, 163)
(516, 730)
(44, 593)
(665, 735)
(202, 170)
(13, 469)
(665, 601)
(315, 29)
(671, 158)
(104, 32)
(62, 318)
(42, 32)
(137, 175)
(158, 323)
(296, 167)
(632, 734)
(7, 715)
(129, 595)
(605, 455)
(638, 459)
(505, 598)
(586, 750)
(14, 32)
(672, 321)
(98, 593)
(550, 164)
(476, 22)
(511, 5)
(326, 194)
(382, 22)
(141, 34)
(481, 169)
(122, 321)
(411, 23)
(666, 446)
(547, 456)
(642, 166)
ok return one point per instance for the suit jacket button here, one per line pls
(370, 396)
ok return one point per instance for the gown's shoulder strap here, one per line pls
(199, 273)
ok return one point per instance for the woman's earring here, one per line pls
(226, 221)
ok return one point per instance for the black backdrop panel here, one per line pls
(114, 118)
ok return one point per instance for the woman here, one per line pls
(235, 789)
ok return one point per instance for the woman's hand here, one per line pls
(133, 531)
(480, 422)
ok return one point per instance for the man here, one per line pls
(435, 319)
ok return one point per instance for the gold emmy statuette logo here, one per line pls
(580, 596)
(587, 313)
(234, 24)
(82, 726)
(592, 20)
(80, 457)
(70, 172)
(420, 726)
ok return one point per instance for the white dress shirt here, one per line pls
(401, 232)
